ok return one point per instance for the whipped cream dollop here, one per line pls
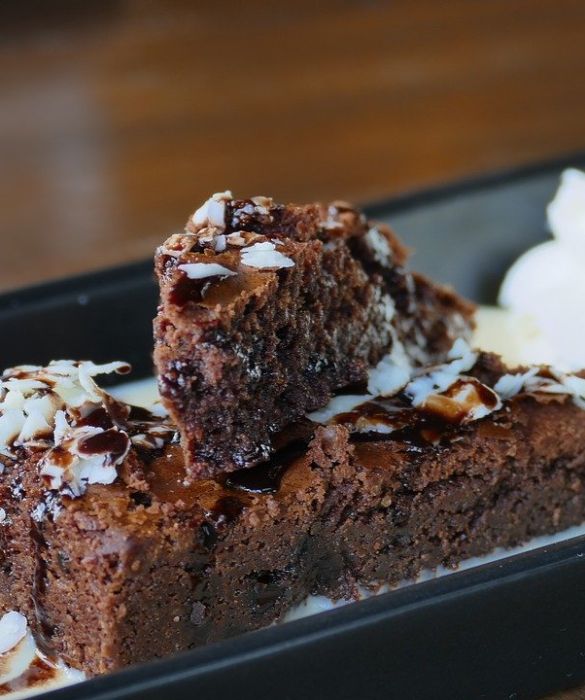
(514, 336)
(547, 284)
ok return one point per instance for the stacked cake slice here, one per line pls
(267, 310)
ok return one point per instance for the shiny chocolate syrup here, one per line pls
(261, 479)
(110, 441)
(98, 418)
(266, 478)
(289, 446)
(223, 500)
(455, 405)
(390, 419)
(133, 420)
(428, 424)
(377, 417)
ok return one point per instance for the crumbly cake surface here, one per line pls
(113, 568)
(266, 310)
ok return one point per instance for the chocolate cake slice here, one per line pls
(114, 557)
(267, 310)
(107, 552)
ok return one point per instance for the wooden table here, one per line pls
(118, 117)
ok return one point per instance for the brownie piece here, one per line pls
(115, 557)
(266, 310)
(111, 557)
(445, 486)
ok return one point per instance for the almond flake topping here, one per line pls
(443, 391)
(265, 256)
(553, 381)
(201, 270)
(211, 214)
(85, 431)
(440, 378)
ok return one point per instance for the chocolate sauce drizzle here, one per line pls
(266, 477)
(98, 418)
(111, 441)
(378, 420)
(412, 426)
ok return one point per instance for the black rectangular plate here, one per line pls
(510, 629)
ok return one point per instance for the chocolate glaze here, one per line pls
(113, 442)
(430, 423)
(223, 500)
(138, 414)
(377, 420)
(266, 478)
(416, 430)
(456, 412)
(388, 416)
(98, 418)
(166, 477)
(393, 419)
(118, 411)
(133, 420)
(217, 290)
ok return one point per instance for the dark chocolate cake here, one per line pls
(267, 310)
(115, 557)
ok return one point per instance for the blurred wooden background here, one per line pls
(118, 117)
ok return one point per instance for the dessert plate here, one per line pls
(506, 629)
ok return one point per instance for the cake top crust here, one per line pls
(232, 248)
(427, 410)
